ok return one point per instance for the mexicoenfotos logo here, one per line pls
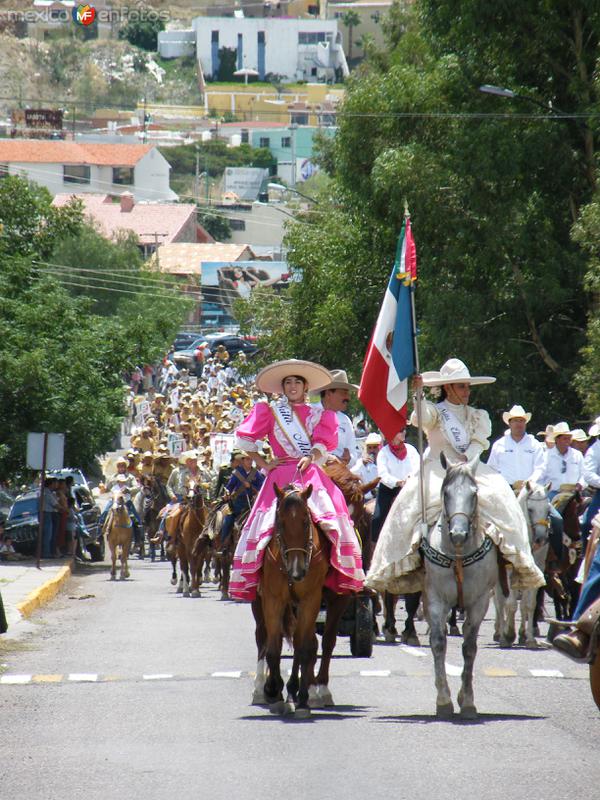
(84, 15)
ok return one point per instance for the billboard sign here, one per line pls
(223, 282)
(245, 182)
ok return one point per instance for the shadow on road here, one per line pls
(339, 713)
(482, 719)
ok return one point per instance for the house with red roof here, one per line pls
(91, 167)
(154, 224)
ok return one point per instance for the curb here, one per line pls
(44, 593)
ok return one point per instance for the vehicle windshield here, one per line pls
(24, 508)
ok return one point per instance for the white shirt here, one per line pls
(366, 472)
(516, 461)
(591, 465)
(346, 437)
(558, 469)
(391, 469)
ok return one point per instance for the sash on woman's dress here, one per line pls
(453, 428)
(295, 440)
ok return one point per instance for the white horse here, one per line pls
(535, 505)
(461, 568)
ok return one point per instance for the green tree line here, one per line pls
(503, 199)
(67, 336)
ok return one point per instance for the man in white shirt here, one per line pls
(591, 474)
(562, 464)
(366, 465)
(335, 397)
(395, 462)
(517, 454)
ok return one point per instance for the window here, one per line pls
(264, 141)
(214, 37)
(237, 224)
(123, 176)
(313, 38)
(76, 173)
(261, 37)
(245, 137)
(313, 71)
(286, 141)
(300, 118)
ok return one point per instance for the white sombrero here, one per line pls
(454, 371)
(516, 412)
(579, 435)
(270, 379)
(595, 429)
(561, 429)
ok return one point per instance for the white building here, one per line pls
(99, 168)
(293, 49)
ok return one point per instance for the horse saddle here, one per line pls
(563, 498)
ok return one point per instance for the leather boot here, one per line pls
(574, 644)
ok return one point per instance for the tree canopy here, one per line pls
(63, 362)
(494, 186)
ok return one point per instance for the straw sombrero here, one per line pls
(270, 379)
(516, 412)
(454, 371)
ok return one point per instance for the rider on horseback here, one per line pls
(460, 432)
(300, 437)
(123, 481)
(241, 489)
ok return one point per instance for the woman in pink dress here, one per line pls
(300, 437)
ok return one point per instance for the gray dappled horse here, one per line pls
(535, 505)
(461, 568)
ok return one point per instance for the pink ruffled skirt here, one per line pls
(327, 508)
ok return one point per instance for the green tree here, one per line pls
(143, 33)
(216, 224)
(493, 188)
(351, 19)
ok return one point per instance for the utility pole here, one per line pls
(197, 184)
(293, 127)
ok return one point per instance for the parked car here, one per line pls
(22, 523)
(6, 502)
(79, 478)
(234, 344)
(185, 339)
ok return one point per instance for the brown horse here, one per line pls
(192, 541)
(294, 571)
(561, 572)
(118, 528)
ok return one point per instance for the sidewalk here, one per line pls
(25, 588)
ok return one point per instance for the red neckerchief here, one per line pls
(399, 450)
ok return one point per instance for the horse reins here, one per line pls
(284, 550)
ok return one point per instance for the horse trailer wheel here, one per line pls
(595, 678)
(361, 640)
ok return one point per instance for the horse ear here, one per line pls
(306, 493)
(367, 487)
(473, 464)
(548, 486)
(443, 461)
(529, 486)
(278, 491)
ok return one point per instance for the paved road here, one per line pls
(127, 690)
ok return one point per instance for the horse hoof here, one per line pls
(325, 696)
(185, 594)
(302, 713)
(468, 712)
(258, 698)
(225, 596)
(531, 644)
(444, 712)
(195, 593)
(388, 636)
(411, 639)
(289, 707)
(454, 631)
(277, 708)
(496, 637)
(113, 577)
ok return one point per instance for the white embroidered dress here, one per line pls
(453, 430)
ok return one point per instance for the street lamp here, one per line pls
(501, 91)
(281, 188)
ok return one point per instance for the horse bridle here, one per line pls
(284, 550)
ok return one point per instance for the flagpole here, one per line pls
(418, 397)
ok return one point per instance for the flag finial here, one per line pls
(406, 211)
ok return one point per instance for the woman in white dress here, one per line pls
(462, 433)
